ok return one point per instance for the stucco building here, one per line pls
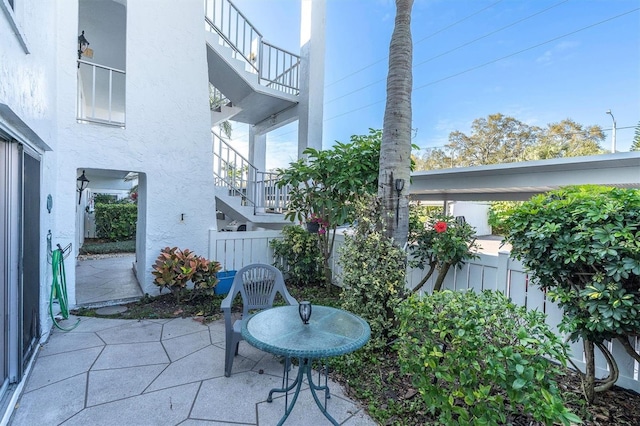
(115, 88)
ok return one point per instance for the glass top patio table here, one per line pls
(330, 332)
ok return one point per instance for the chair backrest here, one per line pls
(258, 285)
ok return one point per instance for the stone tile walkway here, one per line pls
(106, 280)
(161, 372)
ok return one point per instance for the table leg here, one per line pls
(304, 367)
(296, 384)
(313, 387)
(285, 379)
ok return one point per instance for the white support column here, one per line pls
(257, 149)
(312, 48)
(258, 158)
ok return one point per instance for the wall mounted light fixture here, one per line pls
(82, 182)
(399, 186)
(83, 46)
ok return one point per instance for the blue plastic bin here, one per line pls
(226, 279)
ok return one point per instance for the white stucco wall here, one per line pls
(476, 215)
(167, 135)
(27, 88)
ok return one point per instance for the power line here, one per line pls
(452, 50)
(492, 61)
(419, 41)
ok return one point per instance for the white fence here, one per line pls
(490, 272)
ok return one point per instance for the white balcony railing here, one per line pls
(275, 67)
(101, 94)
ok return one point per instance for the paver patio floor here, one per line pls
(161, 372)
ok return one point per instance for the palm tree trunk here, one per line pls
(395, 149)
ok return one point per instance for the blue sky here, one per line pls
(539, 61)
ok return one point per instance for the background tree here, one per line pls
(503, 139)
(496, 139)
(395, 150)
(216, 100)
(434, 159)
(566, 139)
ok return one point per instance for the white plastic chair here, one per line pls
(257, 284)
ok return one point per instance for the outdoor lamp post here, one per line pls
(82, 182)
(613, 134)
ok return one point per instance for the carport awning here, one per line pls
(520, 181)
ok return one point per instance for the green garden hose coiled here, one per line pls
(59, 289)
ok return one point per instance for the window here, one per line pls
(13, 17)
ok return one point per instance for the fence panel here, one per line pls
(237, 249)
(490, 272)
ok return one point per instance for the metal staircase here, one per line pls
(258, 78)
(255, 82)
(252, 194)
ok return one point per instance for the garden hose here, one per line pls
(59, 289)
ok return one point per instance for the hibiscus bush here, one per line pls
(439, 244)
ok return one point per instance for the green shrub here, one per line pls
(128, 246)
(298, 255)
(116, 222)
(498, 213)
(474, 358)
(105, 199)
(174, 268)
(373, 275)
(582, 244)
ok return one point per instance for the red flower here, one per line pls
(440, 227)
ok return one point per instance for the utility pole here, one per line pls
(613, 135)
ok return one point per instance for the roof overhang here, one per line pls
(520, 181)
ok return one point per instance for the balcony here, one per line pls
(101, 94)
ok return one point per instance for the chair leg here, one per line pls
(228, 359)
(231, 350)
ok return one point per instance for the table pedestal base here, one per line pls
(304, 367)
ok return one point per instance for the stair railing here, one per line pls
(270, 197)
(279, 69)
(217, 99)
(275, 67)
(242, 179)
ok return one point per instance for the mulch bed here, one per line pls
(617, 406)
